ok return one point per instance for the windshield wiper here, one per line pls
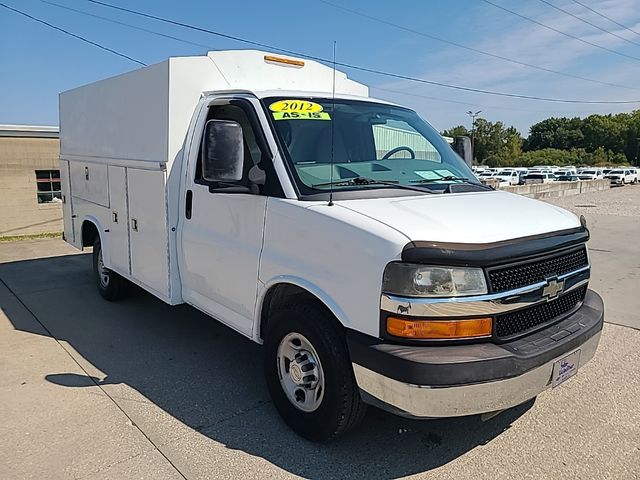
(446, 178)
(370, 181)
(462, 180)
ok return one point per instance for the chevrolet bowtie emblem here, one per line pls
(553, 289)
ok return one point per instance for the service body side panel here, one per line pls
(336, 254)
(123, 117)
(90, 182)
(85, 211)
(67, 206)
(148, 227)
(119, 225)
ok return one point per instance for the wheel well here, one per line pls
(286, 293)
(89, 233)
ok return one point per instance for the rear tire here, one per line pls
(309, 373)
(111, 286)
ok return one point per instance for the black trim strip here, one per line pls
(489, 254)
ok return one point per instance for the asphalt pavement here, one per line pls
(139, 389)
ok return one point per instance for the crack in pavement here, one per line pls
(201, 428)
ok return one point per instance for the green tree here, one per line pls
(552, 156)
(459, 131)
(561, 133)
(632, 135)
(495, 144)
(605, 131)
(594, 140)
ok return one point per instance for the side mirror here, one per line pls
(222, 151)
(462, 146)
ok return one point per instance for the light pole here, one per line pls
(635, 161)
(473, 116)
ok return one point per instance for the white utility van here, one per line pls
(340, 231)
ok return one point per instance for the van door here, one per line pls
(222, 225)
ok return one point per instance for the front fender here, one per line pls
(306, 285)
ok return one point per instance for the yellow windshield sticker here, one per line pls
(301, 116)
(295, 106)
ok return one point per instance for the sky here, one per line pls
(36, 62)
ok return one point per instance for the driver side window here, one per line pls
(396, 133)
(258, 172)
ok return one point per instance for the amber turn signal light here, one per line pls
(285, 61)
(439, 329)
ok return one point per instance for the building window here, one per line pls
(49, 190)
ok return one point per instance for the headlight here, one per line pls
(412, 280)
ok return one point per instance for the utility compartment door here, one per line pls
(148, 229)
(90, 182)
(67, 208)
(119, 221)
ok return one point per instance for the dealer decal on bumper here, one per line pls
(565, 368)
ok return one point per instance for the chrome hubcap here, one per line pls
(103, 272)
(300, 372)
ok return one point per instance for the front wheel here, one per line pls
(309, 374)
(111, 286)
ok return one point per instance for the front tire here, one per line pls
(111, 286)
(309, 373)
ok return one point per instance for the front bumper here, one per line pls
(457, 380)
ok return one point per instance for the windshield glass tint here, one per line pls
(376, 141)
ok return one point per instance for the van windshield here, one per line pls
(371, 140)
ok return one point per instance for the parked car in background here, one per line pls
(522, 172)
(634, 175)
(590, 174)
(620, 176)
(538, 178)
(567, 177)
(566, 171)
(509, 177)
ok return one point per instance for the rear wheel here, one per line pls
(110, 285)
(309, 373)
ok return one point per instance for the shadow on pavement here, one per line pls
(209, 378)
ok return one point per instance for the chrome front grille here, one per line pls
(534, 271)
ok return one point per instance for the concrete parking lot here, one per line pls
(138, 389)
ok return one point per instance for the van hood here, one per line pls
(477, 217)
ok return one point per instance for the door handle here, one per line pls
(188, 207)
(134, 224)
